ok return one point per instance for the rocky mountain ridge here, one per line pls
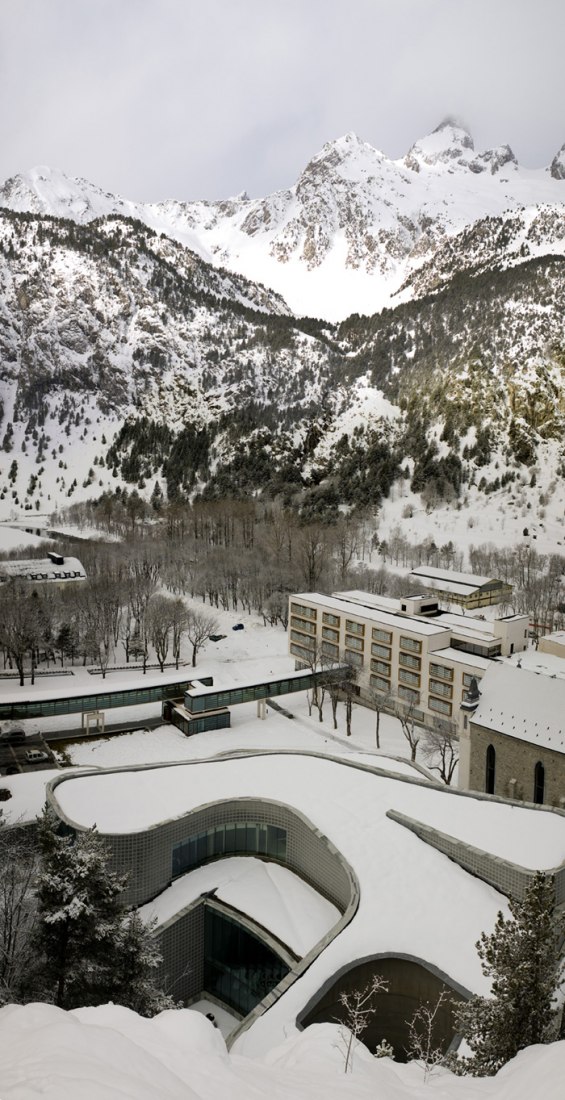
(353, 230)
(129, 359)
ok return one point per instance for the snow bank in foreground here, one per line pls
(110, 1053)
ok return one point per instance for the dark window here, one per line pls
(539, 782)
(239, 968)
(490, 770)
(246, 837)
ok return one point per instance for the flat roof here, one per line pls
(373, 614)
(460, 657)
(70, 687)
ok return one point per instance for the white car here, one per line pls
(36, 756)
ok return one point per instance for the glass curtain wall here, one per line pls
(232, 838)
(238, 968)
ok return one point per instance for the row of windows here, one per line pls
(215, 700)
(250, 837)
(38, 708)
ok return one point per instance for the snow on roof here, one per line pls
(369, 599)
(78, 684)
(460, 657)
(451, 576)
(345, 607)
(467, 625)
(43, 569)
(401, 877)
(271, 895)
(523, 704)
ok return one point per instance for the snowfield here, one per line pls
(110, 1053)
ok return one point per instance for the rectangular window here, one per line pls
(354, 628)
(439, 688)
(354, 658)
(467, 677)
(439, 706)
(380, 651)
(330, 620)
(441, 672)
(330, 649)
(410, 643)
(300, 609)
(379, 683)
(303, 624)
(409, 695)
(380, 635)
(354, 643)
(331, 635)
(409, 661)
(380, 666)
(300, 652)
(310, 643)
(409, 677)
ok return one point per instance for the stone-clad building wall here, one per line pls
(515, 764)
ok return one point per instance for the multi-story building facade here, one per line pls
(406, 652)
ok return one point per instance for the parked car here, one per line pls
(217, 637)
(238, 626)
(36, 756)
(13, 735)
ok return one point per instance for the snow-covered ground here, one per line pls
(110, 1053)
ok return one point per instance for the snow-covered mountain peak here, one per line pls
(44, 190)
(557, 167)
(450, 143)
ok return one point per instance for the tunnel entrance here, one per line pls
(410, 984)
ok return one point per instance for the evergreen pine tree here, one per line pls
(91, 951)
(523, 958)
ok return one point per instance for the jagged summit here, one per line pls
(557, 166)
(450, 143)
(352, 231)
(45, 190)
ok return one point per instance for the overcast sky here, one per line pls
(205, 98)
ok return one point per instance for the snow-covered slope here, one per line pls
(110, 1053)
(350, 231)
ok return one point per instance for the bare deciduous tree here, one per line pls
(422, 1030)
(199, 626)
(440, 749)
(358, 1010)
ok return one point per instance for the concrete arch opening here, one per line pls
(410, 984)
